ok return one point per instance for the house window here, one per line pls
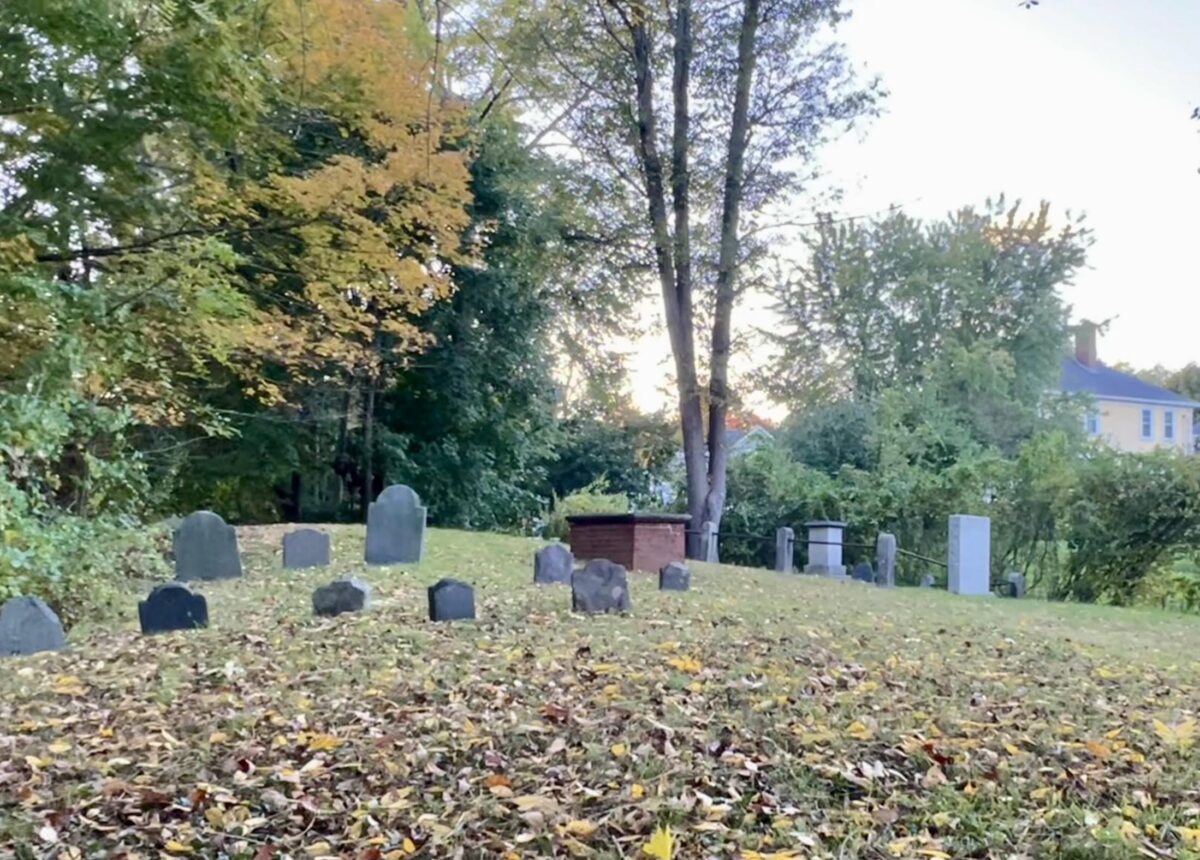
(1168, 424)
(1091, 423)
(1147, 424)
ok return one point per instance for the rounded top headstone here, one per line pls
(400, 495)
(201, 517)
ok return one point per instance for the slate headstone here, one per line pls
(552, 565)
(451, 600)
(27, 626)
(601, 586)
(305, 548)
(342, 595)
(863, 572)
(172, 606)
(674, 577)
(206, 548)
(885, 560)
(395, 527)
(927, 581)
(969, 555)
(785, 549)
(1016, 584)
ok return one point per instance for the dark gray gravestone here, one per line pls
(206, 548)
(395, 527)
(1016, 584)
(552, 565)
(863, 572)
(341, 595)
(674, 577)
(927, 581)
(601, 586)
(27, 626)
(451, 600)
(305, 548)
(172, 606)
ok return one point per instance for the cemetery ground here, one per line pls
(757, 715)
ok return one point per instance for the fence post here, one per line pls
(785, 543)
(709, 536)
(885, 560)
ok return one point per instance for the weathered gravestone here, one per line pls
(206, 548)
(710, 542)
(969, 555)
(451, 600)
(863, 572)
(27, 626)
(927, 581)
(885, 560)
(552, 565)
(305, 548)
(172, 606)
(1016, 584)
(601, 586)
(395, 527)
(341, 595)
(674, 577)
(785, 549)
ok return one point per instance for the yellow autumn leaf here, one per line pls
(933, 852)
(1191, 836)
(59, 747)
(661, 845)
(317, 743)
(773, 855)
(409, 846)
(218, 738)
(529, 802)
(859, 731)
(580, 827)
(619, 750)
(1129, 831)
(637, 791)
(174, 847)
(686, 664)
(1182, 735)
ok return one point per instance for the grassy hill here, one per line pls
(759, 715)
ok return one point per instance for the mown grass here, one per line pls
(756, 715)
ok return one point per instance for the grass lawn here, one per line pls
(759, 715)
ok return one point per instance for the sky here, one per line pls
(1083, 103)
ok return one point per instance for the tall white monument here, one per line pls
(970, 555)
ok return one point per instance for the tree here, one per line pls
(897, 302)
(753, 91)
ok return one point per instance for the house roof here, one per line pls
(1105, 383)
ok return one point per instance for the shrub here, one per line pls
(591, 499)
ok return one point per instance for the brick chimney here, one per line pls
(1085, 344)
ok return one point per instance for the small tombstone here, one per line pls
(172, 606)
(552, 565)
(885, 560)
(674, 577)
(27, 626)
(601, 586)
(305, 548)
(395, 527)
(785, 549)
(451, 600)
(863, 572)
(927, 581)
(1016, 584)
(342, 595)
(206, 548)
(710, 539)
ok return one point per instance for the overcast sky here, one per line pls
(1084, 103)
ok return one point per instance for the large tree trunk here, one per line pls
(727, 261)
(677, 305)
(368, 457)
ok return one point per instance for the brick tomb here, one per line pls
(636, 541)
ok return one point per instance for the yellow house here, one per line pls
(1126, 412)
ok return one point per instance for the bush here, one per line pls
(591, 499)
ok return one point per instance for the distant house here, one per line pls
(738, 442)
(1126, 412)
